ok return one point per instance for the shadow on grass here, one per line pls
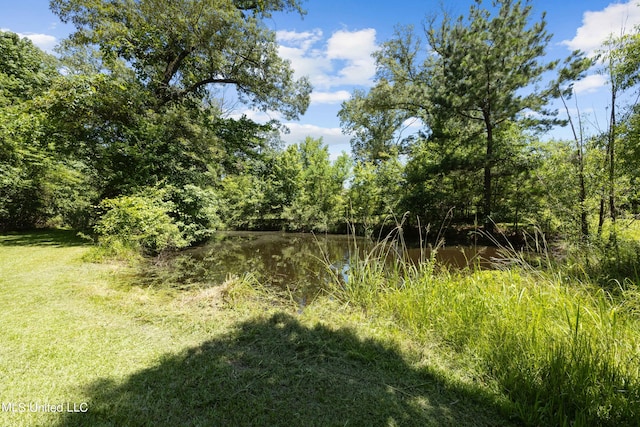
(275, 371)
(60, 238)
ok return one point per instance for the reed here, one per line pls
(564, 351)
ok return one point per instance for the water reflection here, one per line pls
(301, 264)
(459, 257)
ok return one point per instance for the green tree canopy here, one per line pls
(25, 70)
(38, 184)
(180, 48)
(478, 72)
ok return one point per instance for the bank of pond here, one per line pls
(304, 264)
(534, 345)
(562, 349)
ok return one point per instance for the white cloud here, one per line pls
(345, 58)
(45, 42)
(597, 26)
(303, 40)
(354, 47)
(590, 84)
(307, 62)
(329, 97)
(345, 44)
(330, 136)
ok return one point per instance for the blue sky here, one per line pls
(333, 43)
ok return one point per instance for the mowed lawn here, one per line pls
(84, 339)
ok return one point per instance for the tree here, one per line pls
(375, 192)
(319, 201)
(481, 69)
(373, 129)
(298, 188)
(136, 106)
(578, 138)
(101, 120)
(25, 70)
(474, 74)
(38, 185)
(180, 48)
(620, 57)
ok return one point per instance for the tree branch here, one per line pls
(173, 66)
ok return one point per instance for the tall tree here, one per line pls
(25, 70)
(628, 70)
(576, 69)
(481, 67)
(620, 57)
(319, 203)
(180, 48)
(38, 184)
(373, 130)
(479, 72)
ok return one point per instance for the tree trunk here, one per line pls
(611, 160)
(601, 214)
(584, 224)
(488, 160)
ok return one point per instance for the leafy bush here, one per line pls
(197, 211)
(140, 223)
(244, 197)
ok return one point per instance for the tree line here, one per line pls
(122, 133)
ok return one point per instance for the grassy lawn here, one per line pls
(83, 338)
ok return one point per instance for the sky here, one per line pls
(333, 42)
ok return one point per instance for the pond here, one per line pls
(302, 264)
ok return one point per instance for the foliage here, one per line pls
(38, 185)
(205, 42)
(375, 192)
(563, 352)
(444, 175)
(102, 119)
(243, 198)
(25, 70)
(441, 177)
(372, 128)
(136, 108)
(138, 223)
(467, 89)
(297, 188)
(196, 211)
(244, 144)
(319, 204)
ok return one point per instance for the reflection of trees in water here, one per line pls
(299, 263)
(302, 264)
(295, 262)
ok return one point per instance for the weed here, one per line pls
(563, 351)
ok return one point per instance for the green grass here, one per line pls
(77, 333)
(563, 352)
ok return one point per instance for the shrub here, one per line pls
(140, 223)
(196, 211)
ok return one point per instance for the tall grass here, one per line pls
(564, 352)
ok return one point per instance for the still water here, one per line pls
(303, 264)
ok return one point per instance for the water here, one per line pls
(302, 264)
